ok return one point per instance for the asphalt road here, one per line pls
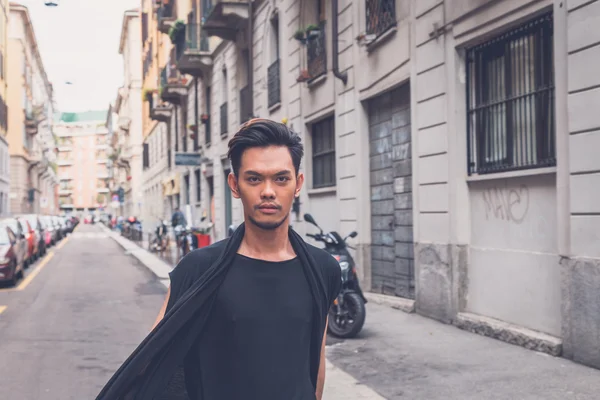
(64, 334)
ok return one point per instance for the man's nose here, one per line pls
(268, 192)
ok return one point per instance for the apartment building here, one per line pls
(4, 155)
(83, 161)
(456, 137)
(30, 109)
(128, 107)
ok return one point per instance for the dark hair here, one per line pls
(260, 132)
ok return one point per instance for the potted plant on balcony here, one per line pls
(193, 136)
(300, 36)
(204, 118)
(177, 32)
(312, 31)
(304, 76)
(193, 128)
(147, 93)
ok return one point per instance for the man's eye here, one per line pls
(253, 179)
(283, 179)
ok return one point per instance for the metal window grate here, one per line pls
(245, 104)
(381, 16)
(274, 83)
(510, 100)
(223, 112)
(316, 53)
(323, 153)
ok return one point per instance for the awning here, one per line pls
(171, 185)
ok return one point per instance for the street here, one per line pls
(89, 304)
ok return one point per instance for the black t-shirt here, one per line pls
(257, 341)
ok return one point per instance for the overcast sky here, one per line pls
(79, 43)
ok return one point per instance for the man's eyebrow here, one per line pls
(283, 172)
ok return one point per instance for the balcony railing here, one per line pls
(316, 52)
(195, 59)
(225, 18)
(167, 14)
(381, 16)
(224, 121)
(245, 104)
(274, 83)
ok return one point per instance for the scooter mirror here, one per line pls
(308, 218)
(353, 234)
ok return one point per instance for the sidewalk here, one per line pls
(338, 384)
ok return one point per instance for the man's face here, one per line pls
(267, 185)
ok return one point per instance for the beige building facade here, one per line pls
(4, 155)
(456, 137)
(30, 113)
(84, 167)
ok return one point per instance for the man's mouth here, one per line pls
(269, 209)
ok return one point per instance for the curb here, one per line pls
(509, 333)
(157, 266)
(398, 303)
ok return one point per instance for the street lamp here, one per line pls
(51, 3)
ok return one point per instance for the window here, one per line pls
(273, 71)
(186, 180)
(323, 153)
(207, 109)
(510, 100)
(146, 156)
(223, 109)
(198, 185)
(381, 16)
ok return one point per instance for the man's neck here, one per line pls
(268, 245)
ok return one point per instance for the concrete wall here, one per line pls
(581, 305)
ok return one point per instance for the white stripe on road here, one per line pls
(342, 386)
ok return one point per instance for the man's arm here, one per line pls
(163, 309)
(322, 366)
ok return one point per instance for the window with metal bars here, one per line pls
(323, 153)
(510, 100)
(380, 15)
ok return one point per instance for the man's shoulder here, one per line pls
(324, 259)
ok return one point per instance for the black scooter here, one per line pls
(348, 313)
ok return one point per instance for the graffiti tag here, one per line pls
(507, 204)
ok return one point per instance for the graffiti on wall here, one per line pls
(506, 203)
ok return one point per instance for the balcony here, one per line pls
(316, 54)
(102, 174)
(102, 189)
(65, 202)
(173, 84)
(31, 123)
(64, 162)
(65, 190)
(274, 84)
(196, 59)
(167, 15)
(159, 111)
(124, 123)
(245, 104)
(226, 18)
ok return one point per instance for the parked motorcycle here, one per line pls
(348, 313)
(185, 239)
(160, 241)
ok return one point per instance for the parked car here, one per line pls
(34, 222)
(61, 225)
(32, 241)
(17, 229)
(52, 228)
(12, 254)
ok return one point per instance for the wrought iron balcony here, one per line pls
(159, 111)
(381, 16)
(316, 53)
(173, 84)
(245, 104)
(274, 83)
(224, 120)
(167, 15)
(196, 59)
(226, 18)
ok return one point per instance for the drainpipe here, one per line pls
(250, 59)
(343, 76)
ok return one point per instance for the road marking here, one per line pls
(61, 244)
(25, 282)
(2, 309)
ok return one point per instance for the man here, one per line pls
(177, 218)
(247, 316)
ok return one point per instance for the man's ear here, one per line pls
(299, 184)
(233, 185)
